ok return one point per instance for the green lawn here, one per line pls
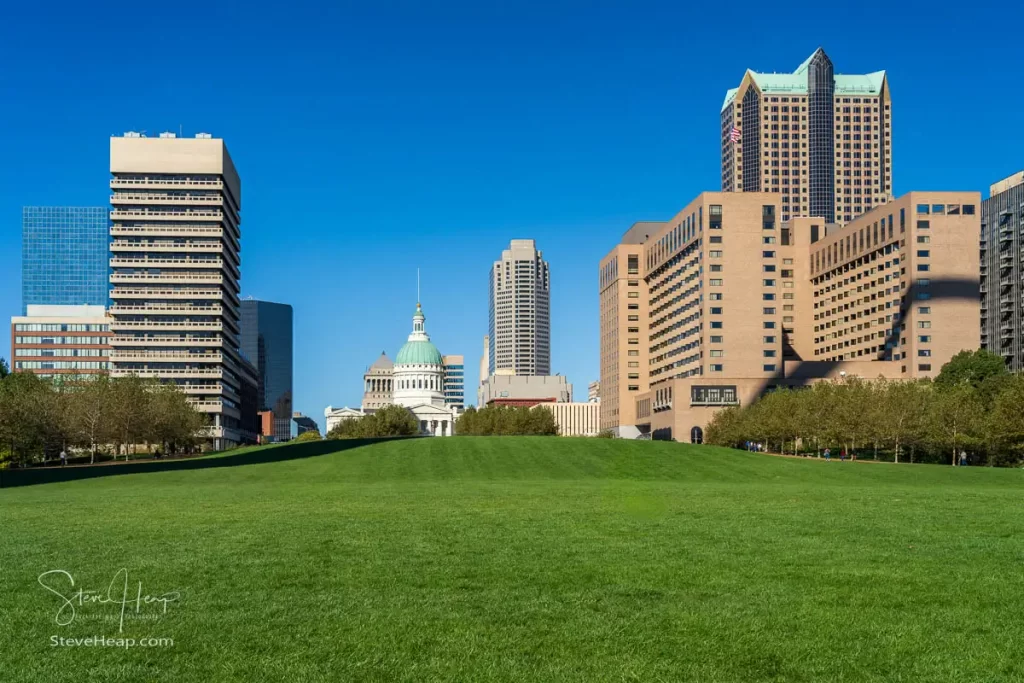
(527, 559)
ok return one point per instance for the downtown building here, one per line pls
(820, 140)
(266, 341)
(175, 257)
(519, 312)
(64, 256)
(725, 302)
(1002, 270)
(63, 342)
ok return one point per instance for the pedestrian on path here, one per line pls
(828, 454)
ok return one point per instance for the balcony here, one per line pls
(159, 247)
(167, 309)
(171, 356)
(197, 278)
(153, 293)
(193, 215)
(181, 340)
(165, 325)
(166, 230)
(164, 373)
(149, 199)
(176, 264)
(161, 183)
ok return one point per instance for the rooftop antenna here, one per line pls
(417, 285)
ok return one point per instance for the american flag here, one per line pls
(735, 134)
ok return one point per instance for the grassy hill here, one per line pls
(515, 559)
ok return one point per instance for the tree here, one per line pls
(129, 410)
(171, 421)
(394, 420)
(901, 408)
(4, 369)
(90, 412)
(973, 368)
(506, 420)
(1004, 424)
(308, 435)
(954, 417)
(25, 410)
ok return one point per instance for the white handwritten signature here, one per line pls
(117, 593)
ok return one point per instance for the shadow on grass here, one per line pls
(47, 475)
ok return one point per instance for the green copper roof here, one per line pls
(796, 83)
(418, 353)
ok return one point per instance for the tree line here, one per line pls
(393, 420)
(973, 406)
(506, 421)
(99, 414)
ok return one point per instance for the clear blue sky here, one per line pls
(377, 137)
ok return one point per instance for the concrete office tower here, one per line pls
(175, 207)
(1002, 267)
(454, 379)
(485, 361)
(725, 303)
(64, 257)
(594, 392)
(61, 341)
(822, 141)
(520, 312)
(266, 341)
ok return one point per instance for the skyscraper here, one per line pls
(266, 340)
(1002, 266)
(520, 312)
(175, 260)
(821, 140)
(64, 259)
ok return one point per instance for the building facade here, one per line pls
(820, 140)
(575, 419)
(175, 258)
(524, 390)
(266, 340)
(61, 341)
(519, 315)
(64, 259)
(594, 392)
(1002, 270)
(739, 303)
(454, 380)
(378, 385)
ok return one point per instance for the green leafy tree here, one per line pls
(308, 435)
(4, 369)
(1004, 424)
(90, 412)
(129, 411)
(394, 420)
(973, 368)
(901, 412)
(955, 417)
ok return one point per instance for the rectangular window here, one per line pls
(924, 310)
(633, 283)
(633, 318)
(633, 330)
(715, 296)
(924, 324)
(716, 324)
(924, 353)
(922, 267)
(716, 339)
(769, 353)
(923, 239)
(716, 367)
(633, 341)
(715, 253)
(633, 307)
(923, 253)
(968, 209)
(769, 340)
(716, 267)
(922, 208)
(716, 310)
(768, 367)
(768, 310)
(924, 338)
(768, 254)
(633, 352)
(924, 367)
(633, 295)
(633, 387)
(715, 282)
(923, 225)
(768, 296)
(717, 353)
(715, 239)
(769, 325)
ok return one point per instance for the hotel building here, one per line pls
(175, 206)
(820, 140)
(727, 302)
(64, 256)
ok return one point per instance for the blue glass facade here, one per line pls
(266, 340)
(64, 256)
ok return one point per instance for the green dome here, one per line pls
(418, 353)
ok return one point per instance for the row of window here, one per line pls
(44, 353)
(61, 365)
(60, 327)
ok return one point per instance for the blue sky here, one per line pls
(374, 138)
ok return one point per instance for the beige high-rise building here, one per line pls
(820, 140)
(520, 312)
(175, 206)
(726, 302)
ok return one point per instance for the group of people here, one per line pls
(842, 454)
(755, 447)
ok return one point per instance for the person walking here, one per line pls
(842, 455)
(963, 458)
(828, 454)
(63, 457)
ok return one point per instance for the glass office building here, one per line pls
(64, 256)
(267, 341)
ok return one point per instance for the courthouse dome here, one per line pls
(419, 350)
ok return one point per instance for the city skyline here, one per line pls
(543, 176)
